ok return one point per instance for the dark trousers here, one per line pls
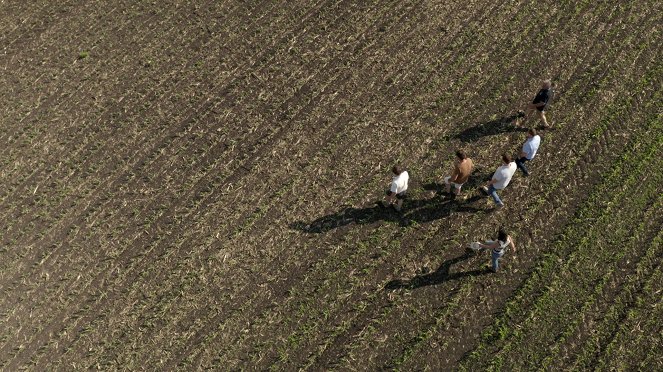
(520, 163)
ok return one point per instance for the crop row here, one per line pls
(637, 342)
(298, 294)
(542, 199)
(550, 266)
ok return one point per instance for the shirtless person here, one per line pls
(462, 169)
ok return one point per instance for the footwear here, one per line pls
(397, 207)
(499, 206)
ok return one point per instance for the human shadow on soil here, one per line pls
(439, 276)
(419, 211)
(490, 128)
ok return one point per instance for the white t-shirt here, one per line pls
(399, 183)
(531, 146)
(503, 175)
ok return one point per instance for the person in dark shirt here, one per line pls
(538, 104)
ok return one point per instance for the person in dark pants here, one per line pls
(538, 105)
(530, 147)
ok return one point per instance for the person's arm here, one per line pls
(454, 174)
(491, 182)
(492, 245)
(513, 244)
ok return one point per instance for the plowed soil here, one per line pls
(192, 184)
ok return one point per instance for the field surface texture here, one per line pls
(192, 184)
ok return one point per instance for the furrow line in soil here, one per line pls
(54, 87)
(585, 351)
(538, 277)
(95, 147)
(640, 333)
(75, 146)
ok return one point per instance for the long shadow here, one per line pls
(418, 210)
(439, 276)
(490, 128)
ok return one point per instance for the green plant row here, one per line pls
(544, 198)
(613, 177)
(502, 330)
(362, 301)
(612, 319)
(550, 266)
(637, 342)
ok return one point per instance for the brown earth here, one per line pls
(192, 184)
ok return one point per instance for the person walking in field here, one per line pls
(398, 190)
(538, 104)
(530, 147)
(462, 169)
(501, 179)
(497, 248)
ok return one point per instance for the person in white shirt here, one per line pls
(501, 179)
(530, 147)
(398, 190)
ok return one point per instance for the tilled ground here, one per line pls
(192, 184)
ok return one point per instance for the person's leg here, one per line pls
(398, 205)
(388, 199)
(493, 192)
(457, 188)
(447, 184)
(520, 163)
(542, 116)
(495, 260)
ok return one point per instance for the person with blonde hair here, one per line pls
(538, 104)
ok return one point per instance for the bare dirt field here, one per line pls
(192, 185)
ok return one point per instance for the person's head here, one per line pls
(460, 154)
(396, 169)
(506, 158)
(546, 84)
(531, 132)
(502, 235)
